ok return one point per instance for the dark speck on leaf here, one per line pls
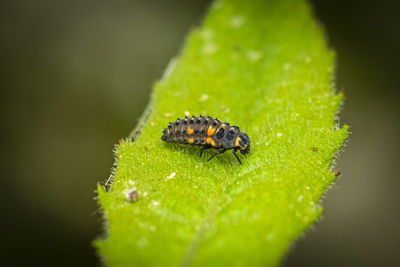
(131, 195)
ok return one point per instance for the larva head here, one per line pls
(243, 143)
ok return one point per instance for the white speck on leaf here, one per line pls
(207, 34)
(300, 198)
(210, 48)
(155, 203)
(203, 97)
(287, 66)
(278, 134)
(270, 236)
(171, 176)
(225, 109)
(254, 55)
(142, 242)
(187, 113)
(167, 114)
(237, 21)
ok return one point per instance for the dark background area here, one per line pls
(76, 75)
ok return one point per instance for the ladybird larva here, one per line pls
(207, 133)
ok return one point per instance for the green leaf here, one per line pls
(265, 67)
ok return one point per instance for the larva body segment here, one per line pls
(208, 133)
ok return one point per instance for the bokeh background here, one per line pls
(76, 75)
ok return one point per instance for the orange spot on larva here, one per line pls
(238, 139)
(210, 131)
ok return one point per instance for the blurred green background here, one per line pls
(76, 75)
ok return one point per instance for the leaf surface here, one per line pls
(265, 67)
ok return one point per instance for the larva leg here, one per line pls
(234, 153)
(216, 153)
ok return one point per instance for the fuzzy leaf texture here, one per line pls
(265, 67)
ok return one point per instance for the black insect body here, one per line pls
(208, 133)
